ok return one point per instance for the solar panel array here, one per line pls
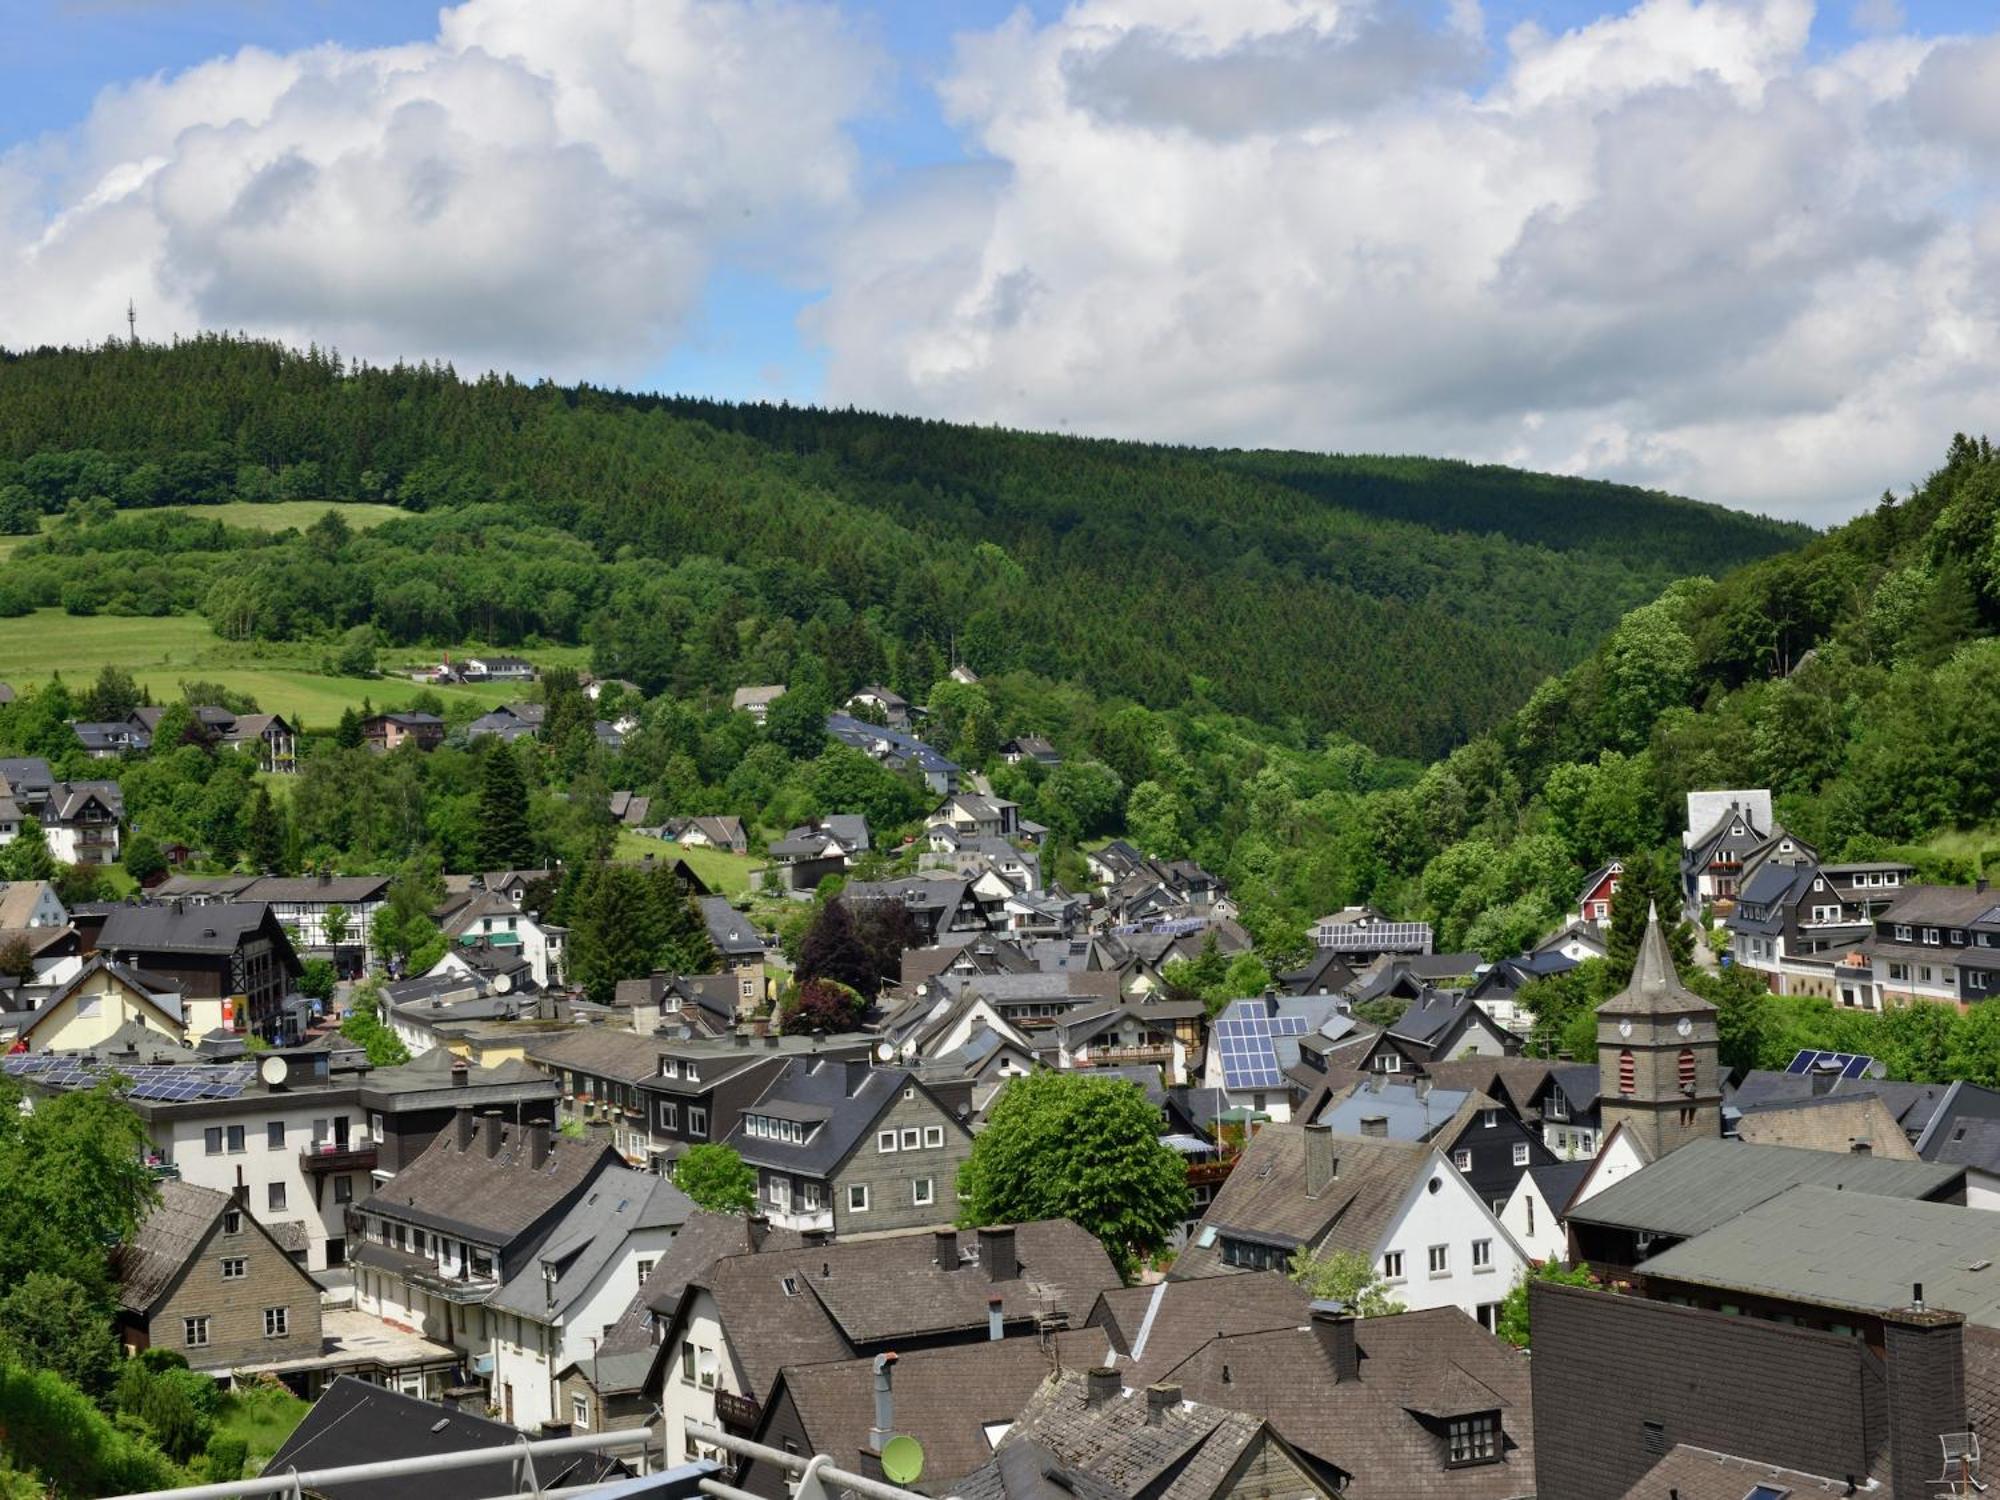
(1398, 937)
(1248, 1059)
(1849, 1064)
(170, 1083)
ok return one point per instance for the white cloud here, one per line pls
(1676, 246)
(542, 187)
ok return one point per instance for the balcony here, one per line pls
(1113, 1057)
(333, 1157)
(739, 1413)
(1210, 1173)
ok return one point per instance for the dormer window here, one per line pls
(1472, 1440)
(669, 1068)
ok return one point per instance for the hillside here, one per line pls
(697, 545)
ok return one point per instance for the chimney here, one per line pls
(947, 1249)
(1100, 1385)
(771, 1040)
(492, 1133)
(538, 1145)
(462, 1127)
(857, 1075)
(1322, 1166)
(1161, 1399)
(1423, 1088)
(758, 1225)
(814, 1239)
(1822, 1080)
(1924, 1355)
(1333, 1326)
(461, 1074)
(1376, 1126)
(885, 1402)
(742, 1038)
(996, 1319)
(997, 1254)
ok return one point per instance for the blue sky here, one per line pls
(1466, 264)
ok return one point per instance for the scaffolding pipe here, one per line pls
(292, 1482)
(791, 1463)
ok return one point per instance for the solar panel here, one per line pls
(1376, 937)
(1847, 1064)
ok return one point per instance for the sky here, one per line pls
(1746, 250)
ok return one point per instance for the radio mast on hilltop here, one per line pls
(131, 321)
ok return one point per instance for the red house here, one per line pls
(1594, 903)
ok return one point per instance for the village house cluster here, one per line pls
(491, 1230)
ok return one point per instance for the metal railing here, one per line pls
(521, 1456)
(816, 1475)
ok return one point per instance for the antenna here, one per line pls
(131, 321)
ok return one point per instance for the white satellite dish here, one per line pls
(273, 1071)
(883, 1052)
(502, 983)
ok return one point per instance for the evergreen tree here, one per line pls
(685, 946)
(264, 834)
(348, 734)
(503, 841)
(616, 934)
(28, 856)
(1649, 881)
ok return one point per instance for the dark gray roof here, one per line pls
(602, 1051)
(1709, 1182)
(847, 1097)
(220, 927)
(1655, 988)
(732, 933)
(1558, 1181)
(354, 1422)
(165, 1238)
(492, 1199)
(1027, 1470)
(621, 1202)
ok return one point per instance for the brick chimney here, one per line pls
(998, 1255)
(1100, 1385)
(1161, 1399)
(1924, 1356)
(757, 1225)
(1322, 1166)
(538, 1144)
(461, 1074)
(492, 1133)
(1333, 1326)
(462, 1127)
(946, 1241)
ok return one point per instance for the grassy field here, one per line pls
(263, 1418)
(726, 874)
(1939, 855)
(163, 653)
(276, 516)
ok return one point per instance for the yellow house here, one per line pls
(106, 996)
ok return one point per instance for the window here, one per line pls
(1473, 1440)
(912, 1139)
(234, 1135)
(669, 1068)
(1520, 1153)
(1462, 1160)
(1975, 979)
(274, 1135)
(923, 1192)
(1627, 1073)
(1899, 972)
(697, 1121)
(234, 1268)
(1482, 1255)
(886, 1141)
(277, 1322)
(194, 1332)
(1558, 1105)
(1530, 1200)
(690, 1072)
(1931, 936)
(1903, 934)
(687, 1363)
(857, 1198)
(809, 1197)
(275, 1197)
(343, 1191)
(232, 1221)
(670, 1116)
(933, 1136)
(645, 1269)
(579, 1412)
(1440, 1260)
(211, 1140)
(1392, 1062)
(704, 1375)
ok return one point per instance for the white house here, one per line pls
(1619, 1154)
(555, 1309)
(1533, 1214)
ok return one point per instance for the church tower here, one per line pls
(1657, 1067)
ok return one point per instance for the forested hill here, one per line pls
(699, 545)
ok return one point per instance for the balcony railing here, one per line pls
(738, 1412)
(358, 1157)
(1111, 1057)
(1210, 1173)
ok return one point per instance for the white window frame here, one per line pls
(1482, 1255)
(885, 1142)
(579, 1411)
(933, 1137)
(1521, 1153)
(857, 1197)
(1462, 1160)
(277, 1322)
(913, 1138)
(1392, 1265)
(241, 1271)
(1438, 1259)
(923, 1191)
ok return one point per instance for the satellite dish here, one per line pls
(903, 1460)
(272, 1070)
(883, 1051)
(502, 983)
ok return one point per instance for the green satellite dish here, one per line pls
(903, 1460)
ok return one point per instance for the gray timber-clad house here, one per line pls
(852, 1148)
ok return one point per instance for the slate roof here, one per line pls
(602, 1051)
(874, 1292)
(592, 1234)
(1437, 1362)
(702, 1240)
(1188, 1451)
(1154, 1329)
(490, 1199)
(1408, 1111)
(1913, 1104)
(1265, 1197)
(732, 933)
(354, 1422)
(1027, 1470)
(220, 927)
(1690, 1473)
(1709, 1182)
(1558, 1181)
(1849, 1249)
(846, 1098)
(344, 890)
(944, 1397)
(165, 1238)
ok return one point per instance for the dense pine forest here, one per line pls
(1406, 604)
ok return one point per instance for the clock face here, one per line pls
(1625, 1028)
(1684, 1026)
